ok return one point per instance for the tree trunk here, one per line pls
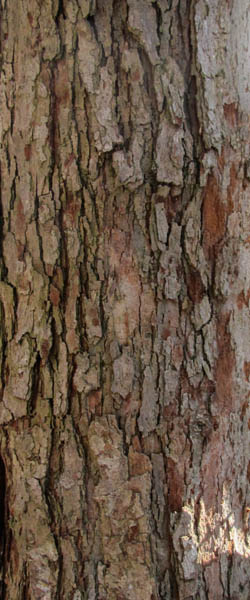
(124, 299)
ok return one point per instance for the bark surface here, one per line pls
(124, 300)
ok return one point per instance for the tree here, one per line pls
(125, 352)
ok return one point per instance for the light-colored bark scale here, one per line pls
(124, 300)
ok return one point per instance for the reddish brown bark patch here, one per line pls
(138, 463)
(247, 369)
(172, 204)
(233, 186)
(62, 85)
(94, 402)
(225, 366)
(231, 113)
(224, 384)
(20, 224)
(30, 18)
(27, 151)
(136, 444)
(248, 471)
(210, 471)
(69, 160)
(195, 286)
(175, 486)
(165, 333)
(72, 210)
(136, 75)
(54, 295)
(133, 533)
(242, 299)
(45, 347)
(244, 409)
(214, 214)
(170, 411)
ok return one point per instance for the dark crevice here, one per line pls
(13, 189)
(52, 128)
(70, 390)
(52, 502)
(60, 12)
(190, 109)
(24, 594)
(64, 261)
(168, 5)
(91, 21)
(36, 218)
(2, 267)
(158, 19)
(31, 406)
(148, 76)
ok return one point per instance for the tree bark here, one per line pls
(124, 300)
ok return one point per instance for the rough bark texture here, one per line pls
(124, 299)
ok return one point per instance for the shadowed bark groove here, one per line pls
(124, 300)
